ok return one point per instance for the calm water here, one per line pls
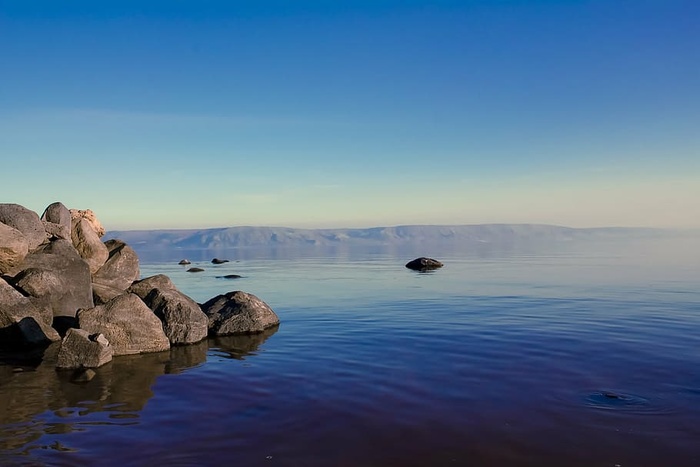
(570, 355)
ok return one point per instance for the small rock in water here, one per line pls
(195, 270)
(219, 261)
(424, 264)
(184, 261)
(229, 276)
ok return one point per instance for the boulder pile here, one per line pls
(60, 282)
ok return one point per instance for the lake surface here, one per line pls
(573, 354)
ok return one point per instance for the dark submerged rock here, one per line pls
(219, 261)
(424, 264)
(229, 276)
(195, 270)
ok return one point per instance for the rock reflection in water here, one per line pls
(39, 403)
(239, 346)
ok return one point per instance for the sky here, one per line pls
(337, 114)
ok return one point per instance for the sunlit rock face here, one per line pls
(80, 349)
(238, 313)
(127, 323)
(58, 278)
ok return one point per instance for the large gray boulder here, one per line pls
(80, 349)
(184, 322)
(14, 246)
(238, 313)
(127, 323)
(24, 220)
(22, 323)
(56, 277)
(88, 244)
(57, 221)
(117, 274)
(57, 213)
(143, 287)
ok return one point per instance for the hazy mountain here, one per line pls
(236, 237)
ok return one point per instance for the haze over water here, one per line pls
(575, 353)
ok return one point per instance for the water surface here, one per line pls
(570, 354)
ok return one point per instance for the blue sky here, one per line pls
(182, 114)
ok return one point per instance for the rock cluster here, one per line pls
(59, 281)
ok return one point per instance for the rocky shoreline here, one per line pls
(60, 282)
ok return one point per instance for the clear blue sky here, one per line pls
(180, 114)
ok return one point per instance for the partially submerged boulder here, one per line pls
(238, 313)
(424, 264)
(80, 349)
(184, 322)
(127, 323)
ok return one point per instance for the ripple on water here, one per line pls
(625, 402)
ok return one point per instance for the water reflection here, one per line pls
(238, 347)
(40, 405)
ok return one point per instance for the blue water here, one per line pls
(573, 354)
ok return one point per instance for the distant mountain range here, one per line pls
(237, 237)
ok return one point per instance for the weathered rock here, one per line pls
(88, 244)
(57, 213)
(55, 231)
(80, 349)
(117, 274)
(184, 261)
(238, 313)
(127, 323)
(195, 270)
(22, 323)
(143, 287)
(14, 246)
(56, 277)
(184, 322)
(424, 264)
(24, 220)
(89, 216)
